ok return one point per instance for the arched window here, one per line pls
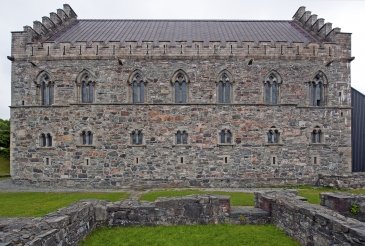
(225, 136)
(87, 88)
(87, 137)
(181, 137)
(271, 88)
(46, 87)
(45, 140)
(137, 137)
(180, 87)
(273, 135)
(224, 88)
(317, 90)
(138, 88)
(316, 135)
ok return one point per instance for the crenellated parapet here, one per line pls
(321, 29)
(162, 50)
(50, 25)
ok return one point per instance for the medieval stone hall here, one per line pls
(220, 103)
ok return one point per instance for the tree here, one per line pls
(5, 138)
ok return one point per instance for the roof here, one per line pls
(183, 30)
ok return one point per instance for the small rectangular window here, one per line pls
(181, 160)
(274, 160)
(226, 159)
(47, 161)
(87, 161)
(137, 160)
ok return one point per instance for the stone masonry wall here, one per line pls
(70, 225)
(113, 161)
(349, 205)
(111, 119)
(353, 180)
(310, 224)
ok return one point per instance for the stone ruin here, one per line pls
(309, 224)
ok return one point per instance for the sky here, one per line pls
(346, 14)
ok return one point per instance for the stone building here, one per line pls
(179, 102)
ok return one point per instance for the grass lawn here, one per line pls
(312, 193)
(4, 166)
(237, 198)
(29, 204)
(190, 235)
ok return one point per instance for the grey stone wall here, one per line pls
(353, 180)
(70, 225)
(248, 161)
(310, 224)
(349, 205)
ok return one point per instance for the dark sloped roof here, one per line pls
(183, 30)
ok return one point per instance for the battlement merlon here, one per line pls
(320, 29)
(42, 30)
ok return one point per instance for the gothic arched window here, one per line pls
(271, 88)
(138, 88)
(87, 137)
(87, 88)
(273, 135)
(137, 137)
(45, 140)
(181, 137)
(317, 90)
(316, 135)
(180, 87)
(46, 87)
(225, 136)
(224, 88)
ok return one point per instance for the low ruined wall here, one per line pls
(310, 224)
(70, 225)
(346, 204)
(353, 180)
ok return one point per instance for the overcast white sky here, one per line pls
(349, 15)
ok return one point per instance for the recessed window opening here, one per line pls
(226, 159)
(137, 160)
(181, 160)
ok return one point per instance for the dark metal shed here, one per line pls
(358, 131)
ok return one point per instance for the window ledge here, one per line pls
(318, 144)
(86, 146)
(223, 144)
(274, 144)
(181, 145)
(46, 147)
(137, 145)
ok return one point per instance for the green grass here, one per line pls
(312, 193)
(4, 167)
(28, 204)
(190, 235)
(237, 198)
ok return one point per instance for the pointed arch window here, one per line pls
(271, 88)
(87, 137)
(87, 84)
(224, 88)
(138, 88)
(181, 137)
(225, 136)
(317, 90)
(317, 135)
(45, 140)
(137, 137)
(273, 135)
(180, 87)
(46, 87)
